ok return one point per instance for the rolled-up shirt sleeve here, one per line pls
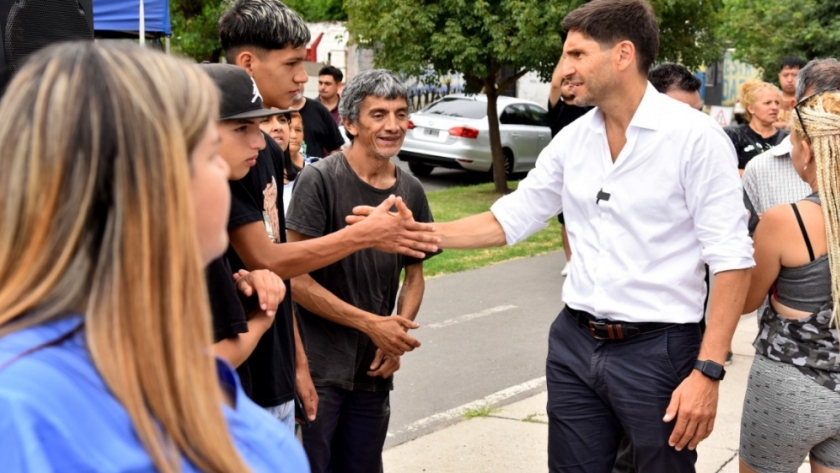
(715, 199)
(538, 197)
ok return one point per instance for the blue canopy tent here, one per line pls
(133, 18)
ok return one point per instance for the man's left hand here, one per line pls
(383, 365)
(694, 404)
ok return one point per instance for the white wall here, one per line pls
(332, 50)
(530, 87)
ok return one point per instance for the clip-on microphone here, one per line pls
(602, 196)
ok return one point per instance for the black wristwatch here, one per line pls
(710, 369)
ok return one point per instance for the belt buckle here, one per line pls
(606, 331)
(596, 327)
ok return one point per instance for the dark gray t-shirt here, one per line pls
(325, 193)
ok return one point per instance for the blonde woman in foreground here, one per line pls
(114, 199)
(792, 404)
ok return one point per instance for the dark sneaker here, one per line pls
(728, 359)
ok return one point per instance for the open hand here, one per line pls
(396, 232)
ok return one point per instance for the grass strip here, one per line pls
(458, 202)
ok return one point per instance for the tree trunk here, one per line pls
(499, 176)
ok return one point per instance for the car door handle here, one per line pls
(515, 135)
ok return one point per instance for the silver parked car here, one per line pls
(454, 133)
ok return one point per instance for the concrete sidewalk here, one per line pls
(514, 438)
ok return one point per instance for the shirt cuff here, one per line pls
(728, 257)
(518, 225)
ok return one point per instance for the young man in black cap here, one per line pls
(237, 333)
(241, 112)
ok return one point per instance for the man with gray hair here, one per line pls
(339, 304)
(268, 40)
(770, 178)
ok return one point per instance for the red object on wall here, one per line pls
(312, 50)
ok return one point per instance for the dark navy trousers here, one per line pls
(349, 431)
(600, 389)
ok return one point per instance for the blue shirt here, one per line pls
(57, 414)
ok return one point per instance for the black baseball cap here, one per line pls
(239, 96)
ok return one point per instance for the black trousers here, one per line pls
(600, 390)
(624, 461)
(349, 432)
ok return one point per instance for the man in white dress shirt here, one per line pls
(651, 192)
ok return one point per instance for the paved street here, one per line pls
(484, 344)
(483, 332)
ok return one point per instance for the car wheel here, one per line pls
(420, 170)
(508, 163)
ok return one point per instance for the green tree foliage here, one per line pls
(194, 23)
(476, 38)
(687, 31)
(195, 30)
(479, 37)
(318, 10)
(764, 32)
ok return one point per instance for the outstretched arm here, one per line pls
(476, 231)
(383, 230)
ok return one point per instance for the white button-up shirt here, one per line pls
(675, 202)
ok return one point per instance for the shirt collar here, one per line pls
(783, 148)
(648, 114)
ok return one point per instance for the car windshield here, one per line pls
(457, 107)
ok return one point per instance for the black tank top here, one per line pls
(807, 287)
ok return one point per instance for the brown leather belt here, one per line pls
(613, 330)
